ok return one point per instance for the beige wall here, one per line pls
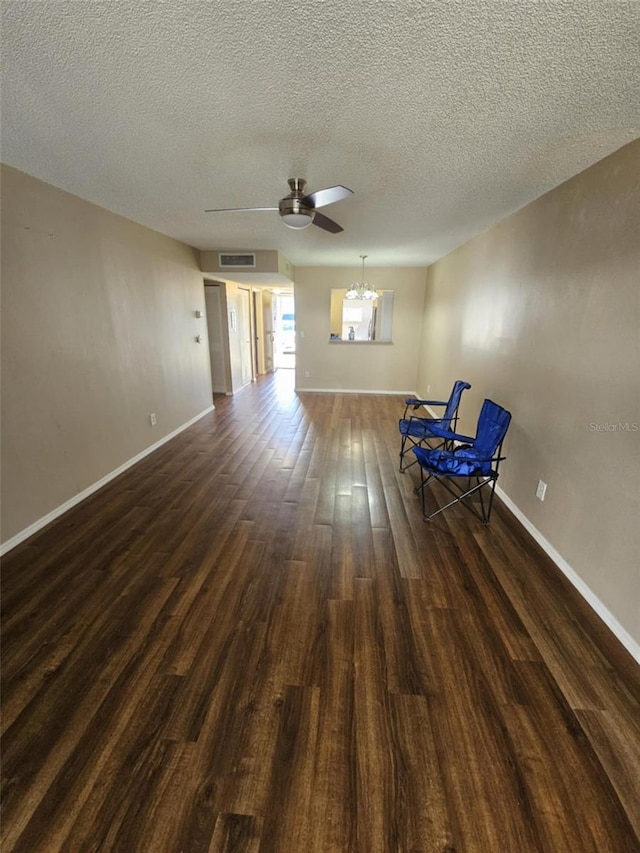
(541, 313)
(98, 330)
(357, 367)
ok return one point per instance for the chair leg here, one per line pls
(484, 517)
(493, 489)
(422, 485)
(486, 512)
(403, 452)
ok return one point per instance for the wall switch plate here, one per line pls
(541, 490)
(153, 419)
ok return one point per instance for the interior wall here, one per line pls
(98, 331)
(541, 313)
(361, 366)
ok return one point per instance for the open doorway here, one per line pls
(284, 328)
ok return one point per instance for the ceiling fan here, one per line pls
(298, 210)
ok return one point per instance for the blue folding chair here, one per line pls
(416, 430)
(477, 460)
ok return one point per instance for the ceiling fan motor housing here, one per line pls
(293, 212)
(293, 207)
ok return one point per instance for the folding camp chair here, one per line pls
(476, 460)
(416, 430)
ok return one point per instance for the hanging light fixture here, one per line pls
(360, 289)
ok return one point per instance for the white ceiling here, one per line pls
(442, 116)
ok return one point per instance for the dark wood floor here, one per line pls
(252, 641)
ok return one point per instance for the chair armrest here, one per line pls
(414, 401)
(416, 419)
(440, 432)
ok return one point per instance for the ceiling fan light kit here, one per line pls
(298, 210)
(297, 220)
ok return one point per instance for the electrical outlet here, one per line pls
(428, 389)
(153, 419)
(307, 374)
(541, 490)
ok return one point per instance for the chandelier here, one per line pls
(360, 289)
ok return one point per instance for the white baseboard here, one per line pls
(353, 391)
(76, 499)
(589, 596)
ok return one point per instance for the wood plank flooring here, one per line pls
(252, 642)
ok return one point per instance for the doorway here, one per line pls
(284, 329)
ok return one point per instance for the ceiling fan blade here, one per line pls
(236, 209)
(320, 198)
(328, 224)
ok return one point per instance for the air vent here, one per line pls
(244, 260)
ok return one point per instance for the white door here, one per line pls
(244, 330)
(258, 333)
(267, 321)
(217, 345)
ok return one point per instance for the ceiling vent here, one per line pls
(247, 259)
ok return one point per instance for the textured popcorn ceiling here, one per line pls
(443, 117)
